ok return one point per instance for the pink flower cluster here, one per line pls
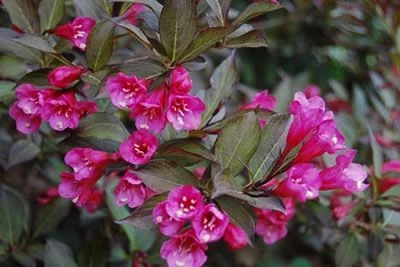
(170, 102)
(60, 108)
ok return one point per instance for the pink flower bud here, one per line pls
(184, 112)
(235, 237)
(131, 14)
(184, 202)
(63, 76)
(312, 90)
(130, 191)
(179, 81)
(261, 100)
(139, 147)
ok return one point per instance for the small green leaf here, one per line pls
(22, 151)
(58, 254)
(50, 12)
(177, 26)
(348, 251)
(14, 217)
(237, 143)
(23, 14)
(220, 8)
(272, 144)
(251, 39)
(377, 156)
(142, 217)
(100, 44)
(163, 175)
(239, 214)
(206, 39)
(256, 9)
(37, 77)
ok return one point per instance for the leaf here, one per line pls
(36, 42)
(348, 251)
(95, 253)
(220, 8)
(153, 4)
(89, 9)
(377, 156)
(142, 217)
(49, 216)
(50, 12)
(204, 41)
(22, 258)
(58, 254)
(272, 144)
(254, 10)
(239, 214)
(251, 39)
(237, 143)
(184, 151)
(9, 46)
(222, 82)
(177, 26)
(392, 192)
(23, 14)
(14, 217)
(196, 64)
(133, 30)
(37, 77)
(163, 175)
(100, 44)
(390, 256)
(22, 151)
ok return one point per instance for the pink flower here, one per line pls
(276, 216)
(184, 112)
(63, 111)
(125, 91)
(341, 204)
(210, 223)
(149, 112)
(76, 31)
(139, 147)
(312, 90)
(271, 232)
(168, 225)
(87, 162)
(261, 100)
(184, 250)
(184, 202)
(94, 201)
(80, 191)
(326, 138)
(130, 190)
(345, 174)
(302, 183)
(31, 99)
(48, 196)
(236, 237)
(179, 81)
(26, 123)
(63, 76)
(391, 166)
(308, 114)
(131, 14)
(387, 183)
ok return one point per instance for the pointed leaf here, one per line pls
(50, 12)
(348, 251)
(58, 254)
(220, 8)
(22, 151)
(153, 4)
(36, 42)
(256, 9)
(251, 39)
(177, 26)
(377, 156)
(37, 77)
(95, 253)
(23, 14)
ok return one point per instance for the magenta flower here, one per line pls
(261, 100)
(276, 216)
(31, 99)
(26, 123)
(391, 166)
(179, 81)
(76, 31)
(139, 147)
(326, 138)
(271, 232)
(125, 91)
(131, 14)
(184, 202)
(210, 223)
(168, 225)
(341, 204)
(63, 111)
(312, 90)
(80, 191)
(345, 174)
(236, 237)
(130, 191)
(184, 112)
(149, 112)
(302, 183)
(308, 114)
(184, 250)
(87, 162)
(63, 76)
(95, 199)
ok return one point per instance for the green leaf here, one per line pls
(50, 12)
(392, 192)
(22, 151)
(36, 42)
(133, 30)
(239, 214)
(153, 4)
(23, 14)
(95, 253)
(251, 39)
(49, 216)
(256, 9)
(9, 46)
(90, 9)
(100, 44)
(142, 217)
(348, 251)
(377, 156)
(390, 256)
(163, 175)
(177, 26)
(184, 151)
(222, 81)
(58, 254)
(237, 143)
(272, 144)
(14, 217)
(206, 39)
(220, 8)
(7, 94)
(22, 258)
(37, 77)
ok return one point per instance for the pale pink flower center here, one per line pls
(186, 205)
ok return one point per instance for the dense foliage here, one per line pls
(132, 133)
